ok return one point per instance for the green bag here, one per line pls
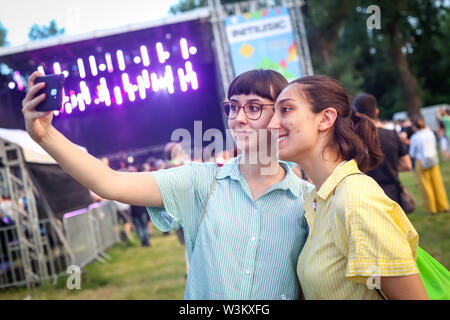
(435, 277)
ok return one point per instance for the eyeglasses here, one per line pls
(252, 110)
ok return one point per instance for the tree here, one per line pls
(3, 35)
(41, 32)
(186, 5)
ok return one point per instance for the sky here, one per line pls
(77, 17)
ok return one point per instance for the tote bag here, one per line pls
(435, 277)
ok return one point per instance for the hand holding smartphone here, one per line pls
(53, 92)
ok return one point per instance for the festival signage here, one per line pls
(263, 39)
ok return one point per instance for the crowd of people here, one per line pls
(319, 231)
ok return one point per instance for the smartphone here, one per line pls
(53, 92)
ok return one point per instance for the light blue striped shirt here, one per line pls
(243, 249)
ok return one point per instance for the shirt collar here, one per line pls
(340, 172)
(230, 169)
(290, 181)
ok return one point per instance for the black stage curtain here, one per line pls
(63, 192)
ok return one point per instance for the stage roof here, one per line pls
(31, 150)
(13, 56)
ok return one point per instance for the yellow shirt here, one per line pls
(356, 234)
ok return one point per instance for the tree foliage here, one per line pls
(41, 32)
(403, 64)
(3, 35)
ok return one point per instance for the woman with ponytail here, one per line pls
(360, 245)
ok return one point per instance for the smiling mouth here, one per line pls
(281, 138)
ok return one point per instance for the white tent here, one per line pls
(32, 151)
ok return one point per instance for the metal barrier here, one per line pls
(89, 232)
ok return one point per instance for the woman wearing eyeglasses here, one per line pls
(243, 222)
(359, 240)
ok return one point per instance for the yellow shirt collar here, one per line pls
(340, 172)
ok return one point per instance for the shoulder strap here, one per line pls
(351, 174)
(209, 195)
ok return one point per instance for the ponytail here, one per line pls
(366, 130)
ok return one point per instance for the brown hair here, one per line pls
(418, 121)
(354, 135)
(366, 104)
(264, 83)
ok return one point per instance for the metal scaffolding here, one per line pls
(26, 217)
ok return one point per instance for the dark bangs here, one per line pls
(264, 83)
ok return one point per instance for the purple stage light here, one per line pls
(93, 65)
(11, 85)
(120, 60)
(68, 107)
(144, 54)
(81, 70)
(85, 92)
(192, 50)
(184, 48)
(18, 79)
(105, 91)
(146, 78)
(128, 87)
(168, 79)
(109, 62)
(73, 100)
(175, 66)
(141, 87)
(57, 68)
(64, 97)
(155, 82)
(189, 77)
(162, 54)
(118, 95)
(81, 104)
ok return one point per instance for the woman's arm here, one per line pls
(404, 288)
(133, 188)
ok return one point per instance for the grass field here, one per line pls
(157, 272)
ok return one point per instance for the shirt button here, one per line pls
(253, 238)
(247, 271)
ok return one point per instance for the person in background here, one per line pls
(395, 155)
(356, 232)
(443, 119)
(139, 216)
(423, 149)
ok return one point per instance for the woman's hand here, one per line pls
(37, 123)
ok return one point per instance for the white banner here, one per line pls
(259, 29)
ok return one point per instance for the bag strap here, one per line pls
(351, 174)
(209, 195)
